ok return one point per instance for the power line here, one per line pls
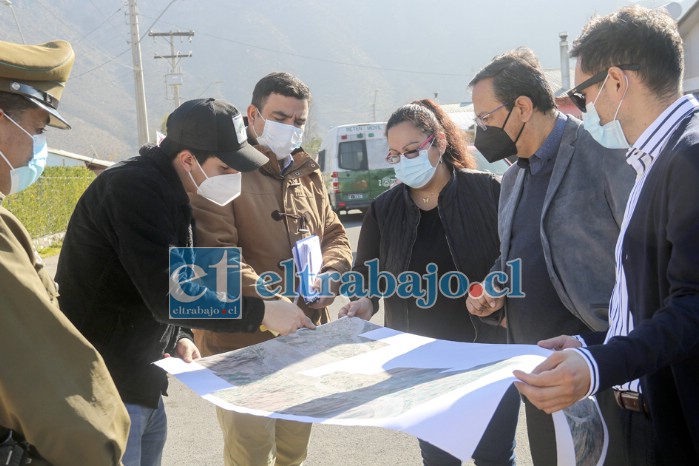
(335, 62)
(98, 26)
(128, 49)
(325, 60)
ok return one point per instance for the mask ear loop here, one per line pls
(622, 97)
(7, 161)
(202, 170)
(430, 147)
(253, 126)
(508, 117)
(600, 89)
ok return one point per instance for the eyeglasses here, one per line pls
(576, 95)
(395, 158)
(481, 119)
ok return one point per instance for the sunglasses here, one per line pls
(576, 95)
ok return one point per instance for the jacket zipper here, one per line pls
(456, 265)
(407, 264)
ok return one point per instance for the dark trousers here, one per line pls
(497, 446)
(630, 435)
(636, 442)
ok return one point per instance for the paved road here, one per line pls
(195, 439)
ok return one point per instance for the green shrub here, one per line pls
(45, 207)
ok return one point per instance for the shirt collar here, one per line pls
(286, 163)
(652, 141)
(548, 149)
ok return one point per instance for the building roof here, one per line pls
(553, 76)
(689, 18)
(461, 113)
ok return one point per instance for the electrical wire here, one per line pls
(129, 49)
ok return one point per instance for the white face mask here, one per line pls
(418, 171)
(219, 189)
(23, 177)
(610, 135)
(279, 137)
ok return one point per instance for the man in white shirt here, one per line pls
(628, 78)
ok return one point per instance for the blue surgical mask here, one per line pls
(610, 135)
(23, 177)
(418, 171)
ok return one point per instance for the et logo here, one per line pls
(205, 283)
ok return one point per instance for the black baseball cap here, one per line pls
(216, 127)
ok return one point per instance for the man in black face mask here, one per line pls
(561, 208)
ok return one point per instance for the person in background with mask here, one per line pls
(561, 208)
(282, 202)
(629, 74)
(58, 404)
(444, 213)
(113, 270)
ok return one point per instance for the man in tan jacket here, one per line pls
(57, 399)
(282, 202)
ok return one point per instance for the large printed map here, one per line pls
(353, 372)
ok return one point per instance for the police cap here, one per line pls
(37, 72)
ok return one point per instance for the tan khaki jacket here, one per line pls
(248, 223)
(54, 387)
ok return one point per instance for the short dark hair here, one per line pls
(279, 83)
(634, 35)
(430, 118)
(171, 148)
(15, 104)
(518, 73)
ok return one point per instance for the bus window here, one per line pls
(353, 155)
(321, 160)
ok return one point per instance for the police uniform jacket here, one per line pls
(55, 389)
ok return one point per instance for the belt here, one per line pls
(631, 401)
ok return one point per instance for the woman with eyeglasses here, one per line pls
(443, 214)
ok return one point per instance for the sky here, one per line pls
(361, 58)
(406, 48)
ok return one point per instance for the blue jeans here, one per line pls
(147, 435)
(497, 446)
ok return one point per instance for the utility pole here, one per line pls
(174, 79)
(141, 110)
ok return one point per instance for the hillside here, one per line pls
(351, 54)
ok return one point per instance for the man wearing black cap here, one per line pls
(57, 400)
(113, 270)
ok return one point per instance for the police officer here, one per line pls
(58, 403)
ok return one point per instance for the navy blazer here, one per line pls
(660, 253)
